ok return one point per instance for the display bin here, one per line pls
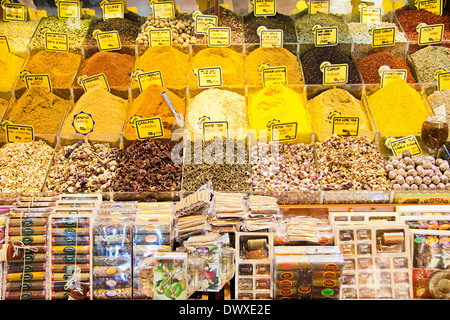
(280, 20)
(19, 35)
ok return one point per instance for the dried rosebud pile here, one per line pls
(351, 163)
(83, 167)
(147, 166)
(423, 172)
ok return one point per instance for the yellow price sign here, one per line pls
(150, 127)
(160, 37)
(209, 77)
(433, 6)
(274, 76)
(325, 37)
(4, 44)
(430, 34)
(346, 126)
(271, 38)
(19, 133)
(15, 11)
(108, 41)
(284, 131)
(212, 130)
(69, 9)
(370, 15)
(56, 42)
(219, 36)
(443, 81)
(317, 6)
(97, 81)
(389, 75)
(113, 10)
(398, 146)
(264, 8)
(202, 22)
(83, 123)
(163, 10)
(147, 79)
(38, 80)
(383, 37)
(334, 74)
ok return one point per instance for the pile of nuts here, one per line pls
(423, 172)
(351, 163)
(23, 166)
(182, 26)
(284, 167)
(83, 167)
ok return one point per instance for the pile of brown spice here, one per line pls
(117, 67)
(369, 66)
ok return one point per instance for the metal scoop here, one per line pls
(179, 121)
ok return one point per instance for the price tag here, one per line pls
(209, 77)
(271, 38)
(389, 75)
(316, 6)
(160, 37)
(97, 81)
(113, 10)
(15, 11)
(202, 21)
(326, 37)
(108, 41)
(346, 126)
(443, 81)
(284, 131)
(147, 79)
(56, 42)
(216, 129)
(274, 76)
(37, 14)
(264, 8)
(398, 146)
(4, 44)
(38, 80)
(334, 73)
(19, 133)
(383, 37)
(83, 123)
(434, 6)
(150, 127)
(219, 36)
(163, 10)
(69, 9)
(430, 34)
(370, 15)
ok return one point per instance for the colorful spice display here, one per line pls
(10, 66)
(216, 105)
(430, 59)
(149, 104)
(23, 166)
(39, 108)
(83, 167)
(128, 28)
(304, 24)
(313, 58)
(98, 103)
(360, 32)
(337, 102)
(278, 104)
(228, 19)
(278, 21)
(230, 60)
(60, 66)
(398, 107)
(272, 57)
(147, 166)
(173, 64)
(117, 67)
(351, 163)
(370, 66)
